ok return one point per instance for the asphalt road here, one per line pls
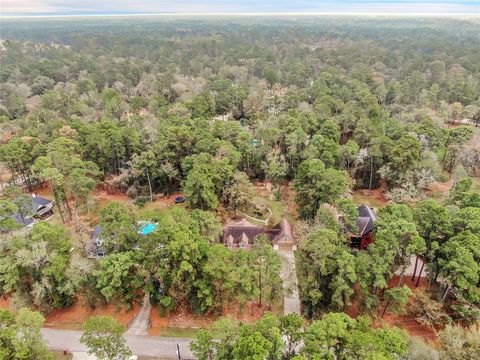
(155, 346)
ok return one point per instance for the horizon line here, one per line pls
(4, 16)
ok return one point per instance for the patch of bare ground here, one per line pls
(73, 317)
(4, 174)
(188, 320)
(354, 309)
(103, 195)
(288, 196)
(440, 190)
(407, 322)
(441, 186)
(4, 303)
(374, 198)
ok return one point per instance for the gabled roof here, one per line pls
(94, 248)
(246, 232)
(244, 222)
(241, 231)
(96, 232)
(38, 203)
(40, 200)
(244, 238)
(286, 229)
(366, 220)
(22, 220)
(39, 207)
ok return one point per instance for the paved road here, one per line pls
(156, 346)
(291, 300)
(139, 326)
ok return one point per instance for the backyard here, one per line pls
(374, 198)
(285, 208)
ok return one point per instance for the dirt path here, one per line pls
(141, 323)
(291, 299)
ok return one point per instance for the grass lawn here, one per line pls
(278, 208)
(150, 210)
(371, 201)
(178, 332)
(476, 185)
(56, 218)
(280, 211)
(58, 355)
(440, 191)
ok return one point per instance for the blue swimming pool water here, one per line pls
(148, 228)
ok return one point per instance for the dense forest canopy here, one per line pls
(315, 107)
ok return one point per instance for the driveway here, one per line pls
(291, 300)
(155, 346)
(140, 325)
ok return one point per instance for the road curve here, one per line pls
(156, 346)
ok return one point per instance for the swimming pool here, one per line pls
(147, 228)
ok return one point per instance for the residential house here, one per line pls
(95, 247)
(41, 209)
(243, 235)
(285, 236)
(362, 236)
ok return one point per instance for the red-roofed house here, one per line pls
(363, 235)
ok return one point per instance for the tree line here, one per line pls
(147, 124)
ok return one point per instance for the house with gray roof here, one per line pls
(95, 248)
(41, 208)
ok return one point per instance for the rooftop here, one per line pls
(366, 219)
(246, 232)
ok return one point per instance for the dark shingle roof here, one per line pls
(94, 248)
(25, 221)
(245, 231)
(286, 230)
(242, 231)
(96, 232)
(41, 201)
(38, 204)
(366, 220)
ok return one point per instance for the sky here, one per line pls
(104, 7)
